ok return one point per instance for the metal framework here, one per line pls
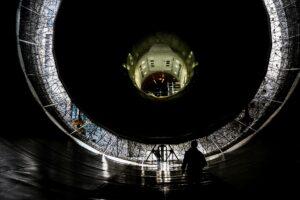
(35, 27)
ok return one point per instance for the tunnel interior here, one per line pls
(231, 44)
(38, 162)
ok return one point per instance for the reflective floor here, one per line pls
(53, 167)
(40, 169)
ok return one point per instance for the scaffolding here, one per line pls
(35, 28)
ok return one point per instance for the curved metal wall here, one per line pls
(35, 28)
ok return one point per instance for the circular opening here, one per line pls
(161, 66)
(98, 67)
(63, 102)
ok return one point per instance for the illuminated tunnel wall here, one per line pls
(35, 28)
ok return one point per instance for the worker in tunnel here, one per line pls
(193, 163)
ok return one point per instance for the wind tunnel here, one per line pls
(84, 66)
(77, 60)
(231, 59)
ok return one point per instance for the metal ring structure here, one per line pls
(35, 29)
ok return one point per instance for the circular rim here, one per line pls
(281, 79)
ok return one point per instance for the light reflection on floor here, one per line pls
(38, 169)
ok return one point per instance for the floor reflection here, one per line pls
(43, 169)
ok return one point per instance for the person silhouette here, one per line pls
(157, 154)
(193, 163)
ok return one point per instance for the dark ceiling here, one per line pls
(231, 42)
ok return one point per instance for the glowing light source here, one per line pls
(161, 61)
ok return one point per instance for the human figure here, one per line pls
(157, 154)
(193, 163)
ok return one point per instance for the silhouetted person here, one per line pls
(193, 163)
(157, 155)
